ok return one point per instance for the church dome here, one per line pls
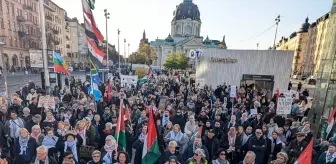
(187, 9)
(304, 27)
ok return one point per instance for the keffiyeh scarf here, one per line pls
(23, 144)
(49, 142)
(73, 147)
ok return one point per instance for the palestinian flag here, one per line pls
(59, 64)
(198, 134)
(120, 134)
(331, 122)
(91, 4)
(127, 114)
(151, 151)
(306, 155)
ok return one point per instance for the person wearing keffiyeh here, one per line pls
(328, 156)
(70, 145)
(109, 150)
(24, 147)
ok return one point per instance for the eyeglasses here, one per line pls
(258, 133)
(222, 154)
(196, 154)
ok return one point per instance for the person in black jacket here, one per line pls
(179, 119)
(42, 156)
(258, 145)
(212, 143)
(296, 147)
(170, 152)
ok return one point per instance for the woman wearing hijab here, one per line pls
(24, 147)
(106, 132)
(37, 135)
(109, 151)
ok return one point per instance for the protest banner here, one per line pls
(284, 105)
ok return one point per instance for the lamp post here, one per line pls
(128, 54)
(277, 21)
(119, 49)
(4, 68)
(44, 47)
(107, 16)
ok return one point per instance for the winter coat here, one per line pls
(323, 159)
(258, 146)
(30, 152)
(189, 152)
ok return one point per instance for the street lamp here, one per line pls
(107, 16)
(4, 68)
(277, 21)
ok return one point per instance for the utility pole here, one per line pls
(277, 21)
(44, 47)
(119, 49)
(107, 16)
(128, 54)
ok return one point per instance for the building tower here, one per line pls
(186, 21)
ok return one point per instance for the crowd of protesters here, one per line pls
(196, 125)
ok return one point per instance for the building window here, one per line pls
(7, 6)
(13, 10)
(10, 41)
(2, 23)
(14, 26)
(26, 15)
(0, 5)
(9, 25)
(15, 42)
(17, 12)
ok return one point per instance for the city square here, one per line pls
(167, 82)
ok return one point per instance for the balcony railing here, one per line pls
(20, 18)
(48, 17)
(28, 7)
(21, 34)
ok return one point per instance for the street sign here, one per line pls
(284, 105)
(192, 54)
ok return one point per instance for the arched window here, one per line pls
(15, 60)
(178, 29)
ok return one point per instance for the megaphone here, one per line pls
(192, 54)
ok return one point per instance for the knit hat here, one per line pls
(332, 144)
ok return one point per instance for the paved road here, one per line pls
(20, 79)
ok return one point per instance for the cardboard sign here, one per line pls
(253, 111)
(284, 105)
(86, 151)
(233, 91)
